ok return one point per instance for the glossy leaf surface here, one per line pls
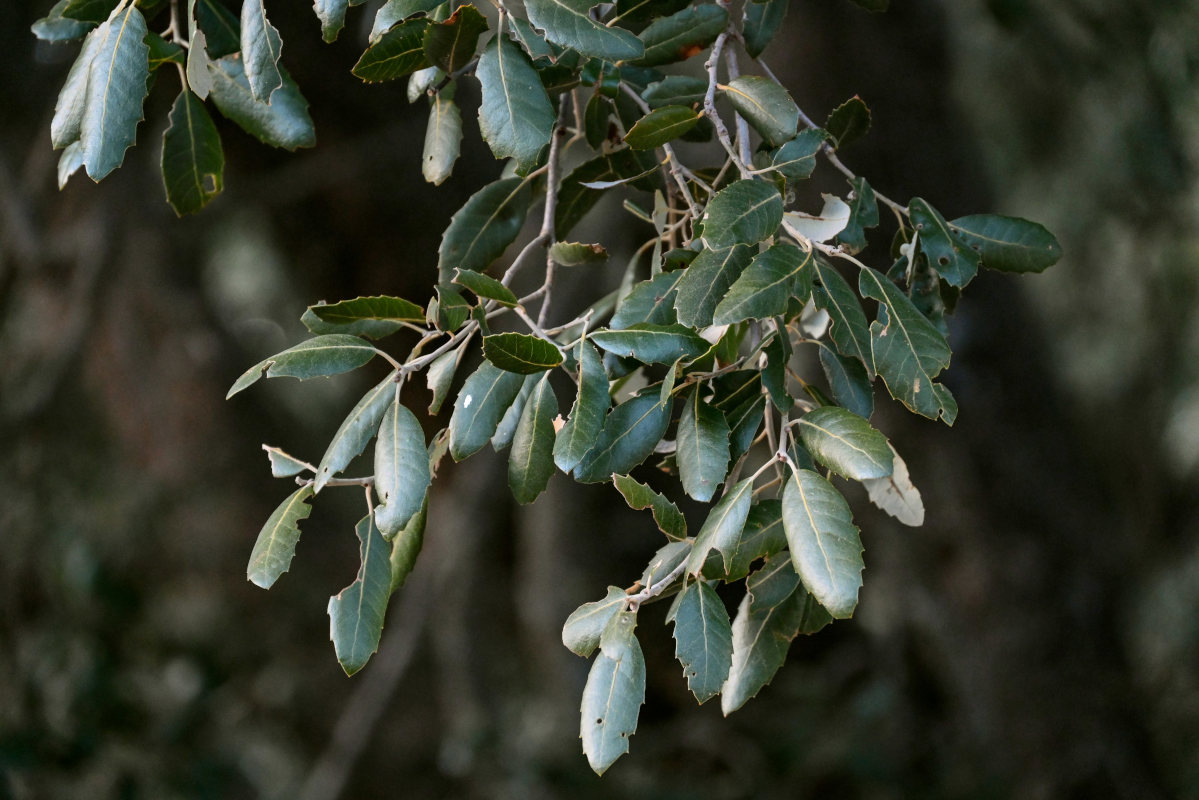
(824, 543)
(356, 612)
(276, 543)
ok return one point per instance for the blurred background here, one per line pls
(1037, 638)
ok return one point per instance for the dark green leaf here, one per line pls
(574, 254)
(722, 529)
(845, 443)
(485, 286)
(849, 121)
(332, 14)
(54, 27)
(396, 11)
(374, 317)
(652, 344)
(284, 122)
(568, 23)
(587, 417)
(762, 22)
(796, 159)
(406, 546)
(521, 353)
(320, 356)
(481, 403)
(766, 106)
(639, 497)
(483, 228)
(193, 163)
(575, 199)
(824, 543)
(443, 139)
(707, 280)
(630, 433)
(531, 462)
(533, 42)
(515, 116)
(221, 28)
(94, 11)
(597, 120)
(863, 213)
(955, 260)
(282, 464)
(452, 308)
(613, 695)
(661, 126)
(703, 639)
(276, 543)
(116, 87)
(584, 627)
(635, 13)
(848, 381)
(744, 212)
(397, 53)
(761, 537)
(164, 52)
(675, 90)
(402, 474)
(703, 448)
(848, 330)
(744, 421)
(650, 301)
(1009, 244)
(356, 612)
(451, 44)
(767, 285)
(774, 374)
(355, 431)
(260, 48)
(682, 35)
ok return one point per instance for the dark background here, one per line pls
(1037, 638)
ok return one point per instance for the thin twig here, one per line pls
(656, 588)
(722, 133)
(551, 206)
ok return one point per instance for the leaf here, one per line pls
(762, 22)
(649, 302)
(261, 48)
(613, 695)
(320, 356)
(631, 432)
(406, 546)
(397, 53)
(744, 212)
(284, 122)
(849, 382)
(766, 106)
(356, 612)
(531, 462)
(451, 307)
(483, 228)
(69, 162)
(666, 514)
(443, 139)
(796, 159)
(332, 14)
(72, 98)
(767, 285)
(440, 375)
(863, 213)
(681, 35)
(569, 23)
(652, 344)
(584, 627)
(193, 163)
(54, 27)
(481, 403)
(451, 44)
(164, 52)
(116, 88)
(703, 448)
(506, 430)
(845, 443)
(396, 11)
(848, 122)
(485, 287)
(706, 281)
(94, 11)
(1008, 244)
(703, 639)
(661, 126)
(832, 220)
(222, 29)
(276, 543)
(896, 494)
(402, 474)
(823, 540)
(515, 116)
(575, 199)
(954, 260)
(199, 66)
(521, 353)
(587, 416)
(848, 330)
(282, 464)
(722, 528)
(774, 374)
(373, 317)
(576, 254)
(744, 421)
(532, 41)
(908, 351)
(761, 537)
(675, 90)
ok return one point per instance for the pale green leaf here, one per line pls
(402, 474)
(531, 461)
(896, 494)
(613, 695)
(821, 227)
(722, 529)
(261, 48)
(443, 139)
(332, 14)
(506, 430)
(703, 639)
(406, 546)
(515, 115)
(575, 254)
(116, 88)
(569, 23)
(481, 403)
(54, 27)
(276, 543)
(845, 443)
(584, 627)
(193, 163)
(283, 465)
(356, 612)
(320, 356)
(485, 287)
(666, 514)
(69, 162)
(72, 98)
(587, 416)
(284, 122)
(824, 543)
(702, 448)
(440, 375)
(373, 317)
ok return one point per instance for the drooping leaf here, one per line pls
(396, 11)
(193, 163)
(443, 139)
(955, 260)
(666, 514)
(483, 228)
(199, 66)
(849, 382)
(398, 52)
(831, 220)
(613, 695)
(681, 35)
(276, 543)
(650, 302)
(848, 329)
(1008, 244)
(284, 122)
(703, 639)
(575, 254)
(863, 213)
(908, 351)
(597, 121)
(652, 344)
(481, 403)
(72, 98)
(356, 612)
(761, 537)
(261, 48)
(660, 126)
(451, 44)
(767, 285)
(587, 416)
(762, 22)
(485, 287)
(774, 374)
(824, 543)
(54, 27)
(406, 546)
(568, 23)
(402, 474)
(584, 627)
(703, 448)
(440, 375)
(506, 430)
(358, 428)
(283, 465)
(332, 14)
(630, 433)
(116, 88)
(373, 317)
(707, 280)
(722, 528)
(531, 462)
(766, 106)
(796, 159)
(744, 421)
(744, 212)
(845, 443)
(521, 353)
(515, 116)
(849, 121)
(69, 162)
(675, 90)
(320, 356)
(896, 494)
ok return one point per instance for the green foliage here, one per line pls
(735, 295)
